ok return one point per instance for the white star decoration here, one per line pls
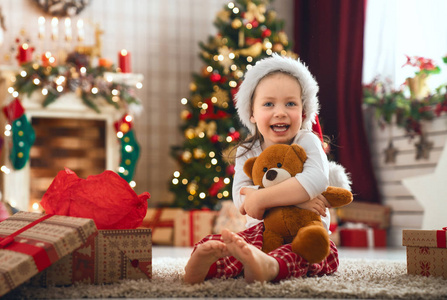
(431, 191)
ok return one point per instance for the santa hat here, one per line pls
(287, 65)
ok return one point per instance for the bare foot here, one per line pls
(258, 266)
(201, 260)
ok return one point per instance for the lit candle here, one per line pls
(54, 28)
(124, 61)
(41, 22)
(68, 34)
(25, 54)
(80, 26)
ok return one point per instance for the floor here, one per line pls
(392, 254)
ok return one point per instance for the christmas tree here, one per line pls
(248, 31)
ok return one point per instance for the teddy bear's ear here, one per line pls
(299, 152)
(248, 166)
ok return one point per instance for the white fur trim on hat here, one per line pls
(271, 64)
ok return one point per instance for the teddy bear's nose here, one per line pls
(271, 175)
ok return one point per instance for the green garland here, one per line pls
(90, 84)
(408, 113)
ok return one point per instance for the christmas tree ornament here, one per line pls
(220, 97)
(224, 15)
(185, 115)
(190, 133)
(215, 77)
(225, 59)
(23, 135)
(186, 156)
(255, 12)
(236, 23)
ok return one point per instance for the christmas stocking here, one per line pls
(130, 150)
(23, 135)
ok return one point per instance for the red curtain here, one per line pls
(329, 39)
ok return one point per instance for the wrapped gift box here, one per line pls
(192, 226)
(161, 221)
(230, 218)
(373, 215)
(426, 252)
(31, 242)
(362, 237)
(110, 256)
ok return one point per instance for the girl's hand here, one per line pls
(251, 205)
(317, 205)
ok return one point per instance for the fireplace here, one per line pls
(68, 134)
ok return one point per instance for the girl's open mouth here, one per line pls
(280, 127)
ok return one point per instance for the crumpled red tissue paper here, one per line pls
(106, 198)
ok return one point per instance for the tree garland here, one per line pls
(89, 83)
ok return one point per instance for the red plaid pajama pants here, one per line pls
(290, 263)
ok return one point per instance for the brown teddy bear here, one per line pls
(290, 224)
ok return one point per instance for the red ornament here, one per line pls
(214, 139)
(215, 77)
(216, 187)
(255, 23)
(266, 33)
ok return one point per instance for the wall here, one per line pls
(162, 36)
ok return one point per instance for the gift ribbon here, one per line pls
(157, 223)
(441, 238)
(40, 256)
(191, 224)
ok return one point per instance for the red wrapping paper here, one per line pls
(106, 198)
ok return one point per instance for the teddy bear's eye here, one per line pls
(279, 165)
(265, 169)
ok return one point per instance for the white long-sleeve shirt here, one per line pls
(314, 178)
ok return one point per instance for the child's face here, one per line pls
(277, 108)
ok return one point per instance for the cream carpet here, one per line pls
(358, 279)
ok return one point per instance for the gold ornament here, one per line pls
(278, 47)
(254, 50)
(199, 153)
(184, 114)
(205, 128)
(186, 157)
(190, 133)
(282, 37)
(255, 12)
(271, 16)
(196, 99)
(192, 187)
(211, 129)
(236, 24)
(226, 62)
(220, 98)
(224, 15)
(193, 87)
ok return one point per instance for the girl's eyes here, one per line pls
(270, 104)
